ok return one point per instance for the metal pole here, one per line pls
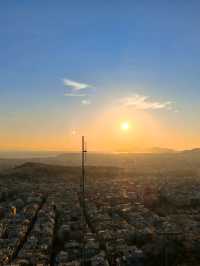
(82, 195)
(83, 171)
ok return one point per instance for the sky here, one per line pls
(72, 68)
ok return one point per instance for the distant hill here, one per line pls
(160, 160)
(161, 150)
(45, 172)
(192, 157)
(195, 151)
(38, 171)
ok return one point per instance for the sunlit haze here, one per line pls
(125, 75)
(100, 133)
(125, 126)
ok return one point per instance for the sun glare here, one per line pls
(125, 126)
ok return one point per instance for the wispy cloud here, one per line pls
(74, 85)
(86, 102)
(141, 102)
(70, 94)
(74, 89)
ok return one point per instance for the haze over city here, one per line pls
(89, 67)
(99, 133)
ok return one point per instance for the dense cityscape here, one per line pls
(99, 133)
(126, 220)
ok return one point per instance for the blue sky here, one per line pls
(120, 48)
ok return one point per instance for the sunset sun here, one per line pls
(125, 126)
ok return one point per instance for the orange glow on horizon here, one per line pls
(110, 130)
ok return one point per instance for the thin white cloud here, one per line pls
(141, 102)
(74, 85)
(86, 102)
(71, 94)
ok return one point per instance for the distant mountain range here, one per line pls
(53, 154)
(156, 158)
(195, 151)
(161, 150)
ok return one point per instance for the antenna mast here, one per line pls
(83, 173)
(82, 196)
